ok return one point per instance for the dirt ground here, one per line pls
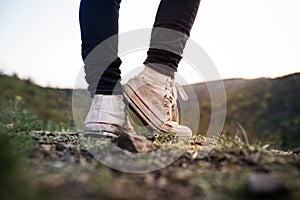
(60, 167)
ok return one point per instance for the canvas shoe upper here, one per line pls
(153, 96)
(107, 117)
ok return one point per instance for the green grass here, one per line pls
(15, 118)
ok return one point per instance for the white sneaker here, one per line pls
(108, 116)
(153, 96)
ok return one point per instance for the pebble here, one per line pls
(296, 150)
(46, 147)
(59, 147)
(265, 184)
(57, 164)
(134, 143)
(162, 182)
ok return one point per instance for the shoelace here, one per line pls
(180, 90)
(171, 99)
(172, 88)
(175, 87)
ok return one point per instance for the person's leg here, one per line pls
(98, 22)
(172, 26)
(152, 94)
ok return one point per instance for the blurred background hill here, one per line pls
(49, 104)
(268, 109)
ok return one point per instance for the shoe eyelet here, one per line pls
(165, 96)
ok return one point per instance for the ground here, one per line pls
(58, 166)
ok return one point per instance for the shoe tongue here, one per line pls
(158, 77)
(151, 73)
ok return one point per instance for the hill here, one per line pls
(268, 109)
(52, 105)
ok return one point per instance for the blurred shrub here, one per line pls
(14, 118)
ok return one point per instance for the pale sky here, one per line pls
(245, 39)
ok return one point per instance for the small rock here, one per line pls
(50, 135)
(84, 177)
(162, 182)
(57, 164)
(46, 147)
(42, 133)
(74, 134)
(134, 143)
(69, 158)
(296, 150)
(59, 147)
(264, 184)
(149, 179)
(36, 138)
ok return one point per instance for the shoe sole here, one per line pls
(99, 134)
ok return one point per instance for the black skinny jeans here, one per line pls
(99, 21)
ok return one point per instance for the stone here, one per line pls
(134, 143)
(59, 147)
(265, 184)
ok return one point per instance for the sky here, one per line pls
(40, 39)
